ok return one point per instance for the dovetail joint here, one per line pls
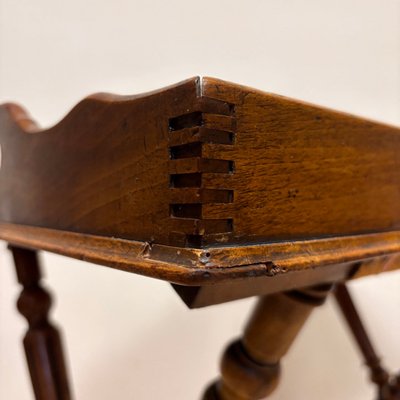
(199, 208)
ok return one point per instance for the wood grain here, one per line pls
(305, 171)
(103, 169)
(206, 182)
(201, 163)
(284, 264)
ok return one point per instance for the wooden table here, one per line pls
(222, 190)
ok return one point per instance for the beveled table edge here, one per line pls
(217, 264)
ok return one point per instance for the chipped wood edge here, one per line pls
(190, 266)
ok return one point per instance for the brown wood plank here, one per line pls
(102, 170)
(206, 163)
(305, 171)
(294, 170)
(222, 264)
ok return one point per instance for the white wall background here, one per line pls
(130, 337)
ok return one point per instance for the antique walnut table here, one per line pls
(224, 191)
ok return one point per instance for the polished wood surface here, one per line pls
(204, 162)
(42, 341)
(205, 182)
(303, 171)
(106, 168)
(292, 261)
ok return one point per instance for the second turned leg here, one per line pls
(250, 366)
(42, 341)
(388, 386)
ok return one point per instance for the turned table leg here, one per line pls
(250, 366)
(388, 386)
(42, 341)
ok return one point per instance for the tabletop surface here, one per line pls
(203, 182)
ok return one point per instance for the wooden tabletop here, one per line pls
(205, 182)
